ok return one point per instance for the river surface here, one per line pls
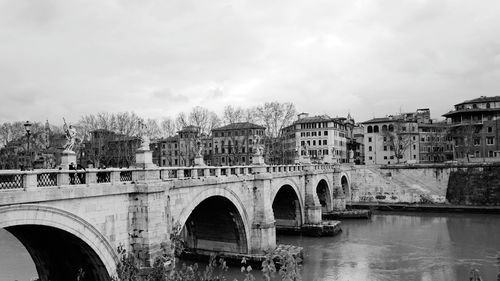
(390, 246)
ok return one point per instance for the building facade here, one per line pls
(323, 137)
(435, 143)
(234, 144)
(475, 128)
(106, 148)
(391, 140)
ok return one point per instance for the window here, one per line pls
(490, 129)
(477, 141)
(314, 142)
(325, 133)
(490, 140)
(369, 148)
(385, 147)
(369, 139)
(385, 157)
(324, 142)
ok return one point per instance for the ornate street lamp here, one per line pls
(27, 127)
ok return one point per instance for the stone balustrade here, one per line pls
(15, 179)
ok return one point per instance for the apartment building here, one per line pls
(391, 139)
(475, 128)
(234, 144)
(323, 137)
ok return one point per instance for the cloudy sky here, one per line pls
(159, 57)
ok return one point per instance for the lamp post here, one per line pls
(27, 127)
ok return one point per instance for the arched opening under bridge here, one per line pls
(324, 195)
(287, 209)
(59, 255)
(345, 187)
(215, 225)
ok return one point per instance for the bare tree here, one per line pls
(5, 133)
(251, 115)
(466, 137)
(275, 116)
(153, 130)
(181, 121)
(200, 117)
(233, 115)
(399, 138)
(125, 123)
(214, 122)
(168, 127)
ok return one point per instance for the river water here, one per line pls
(390, 246)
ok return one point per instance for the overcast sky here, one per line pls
(157, 58)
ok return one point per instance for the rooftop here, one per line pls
(470, 110)
(239, 126)
(312, 119)
(480, 100)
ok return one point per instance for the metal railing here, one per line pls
(12, 180)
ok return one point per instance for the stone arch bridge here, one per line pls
(72, 220)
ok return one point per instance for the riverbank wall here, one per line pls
(462, 184)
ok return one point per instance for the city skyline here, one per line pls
(61, 59)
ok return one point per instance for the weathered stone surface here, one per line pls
(137, 208)
(474, 186)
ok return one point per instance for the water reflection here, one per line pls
(392, 246)
(402, 246)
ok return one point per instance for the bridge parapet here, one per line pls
(23, 180)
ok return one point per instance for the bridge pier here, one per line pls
(314, 224)
(149, 228)
(263, 232)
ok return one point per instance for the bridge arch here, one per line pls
(226, 205)
(60, 243)
(288, 205)
(324, 194)
(345, 186)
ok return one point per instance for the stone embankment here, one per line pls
(462, 184)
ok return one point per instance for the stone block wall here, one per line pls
(469, 184)
(474, 186)
(410, 185)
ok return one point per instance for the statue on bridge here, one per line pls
(306, 149)
(199, 148)
(70, 133)
(144, 136)
(259, 148)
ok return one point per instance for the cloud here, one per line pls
(159, 58)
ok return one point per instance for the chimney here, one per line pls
(302, 115)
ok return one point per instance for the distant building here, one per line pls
(234, 144)
(108, 149)
(475, 129)
(45, 149)
(179, 150)
(435, 142)
(323, 136)
(357, 143)
(392, 139)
